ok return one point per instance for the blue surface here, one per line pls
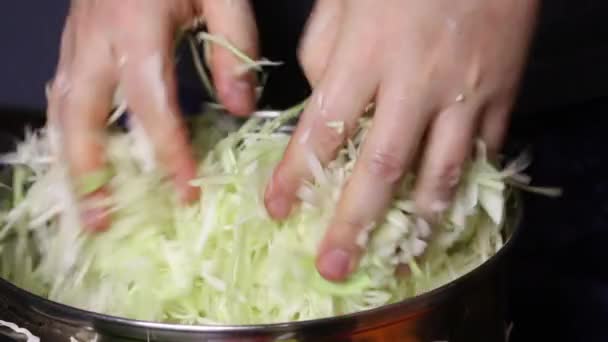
(30, 32)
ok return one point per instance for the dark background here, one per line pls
(568, 62)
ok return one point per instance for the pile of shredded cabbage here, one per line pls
(224, 260)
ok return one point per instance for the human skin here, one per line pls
(441, 74)
(130, 42)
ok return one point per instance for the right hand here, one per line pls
(130, 42)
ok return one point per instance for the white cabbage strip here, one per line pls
(223, 260)
(14, 327)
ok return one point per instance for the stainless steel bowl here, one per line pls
(469, 309)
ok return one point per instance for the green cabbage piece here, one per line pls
(223, 260)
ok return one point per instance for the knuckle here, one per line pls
(60, 86)
(388, 165)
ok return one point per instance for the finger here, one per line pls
(328, 119)
(234, 21)
(449, 144)
(81, 96)
(149, 84)
(493, 128)
(385, 157)
(319, 38)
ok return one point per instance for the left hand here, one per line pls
(131, 43)
(441, 73)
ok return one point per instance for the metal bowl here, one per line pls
(468, 309)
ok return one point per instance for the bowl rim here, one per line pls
(397, 311)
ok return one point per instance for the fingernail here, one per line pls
(277, 203)
(278, 207)
(239, 96)
(94, 212)
(335, 264)
(241, 88)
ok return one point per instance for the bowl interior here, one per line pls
(40, 309)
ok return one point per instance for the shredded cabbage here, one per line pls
(17, 329)
(223, 260)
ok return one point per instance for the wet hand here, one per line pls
(441, 74)
(130, 42)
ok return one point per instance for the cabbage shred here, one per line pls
(223, 260)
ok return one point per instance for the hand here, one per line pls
(130, 42)
(441, 73)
